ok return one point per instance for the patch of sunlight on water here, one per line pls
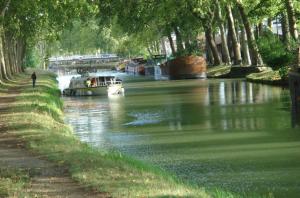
(215, 133)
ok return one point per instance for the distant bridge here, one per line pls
(81, 63)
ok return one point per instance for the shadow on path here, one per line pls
(46, 178)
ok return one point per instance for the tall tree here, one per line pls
(232, 30)
(206, 19)
(23, 23)
(171, 43)
(3, 66)
(255, 55)
(222, 33)
(292, 18)
(179, 43)
(212, 45)
(245, 48)
(285, 29)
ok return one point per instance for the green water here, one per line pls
(228, 134)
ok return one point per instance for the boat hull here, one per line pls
(185, 68)
(86, 91)
(95, 91)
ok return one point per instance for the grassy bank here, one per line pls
(36, 117)
(218, 71)
(268, 77)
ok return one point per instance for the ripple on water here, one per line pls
(143, 118)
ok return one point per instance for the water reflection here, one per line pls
(295, 112)
(228, 105)
(241, 92)
(295, 97)
(211, 132)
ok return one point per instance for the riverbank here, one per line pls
(235, 71)
(218, 71)
(34, 118)
(268, 77)
(264, 75)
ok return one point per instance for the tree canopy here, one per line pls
(136, 27)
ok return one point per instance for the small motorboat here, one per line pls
(93, 85)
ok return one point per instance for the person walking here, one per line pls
(33, 77)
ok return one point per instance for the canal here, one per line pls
(229, 134)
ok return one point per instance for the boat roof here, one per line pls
(96, 76)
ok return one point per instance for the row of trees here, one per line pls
(238, 24)
(29, 23)
(88, 37)
(133, 26)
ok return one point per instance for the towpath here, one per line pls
(46, 178)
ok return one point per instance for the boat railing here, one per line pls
(113, 82)
(103, 84)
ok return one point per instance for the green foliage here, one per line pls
(273, 51)
(23, 24)
(297, 11)
(283, 72)
(127, 31)
(88, 37)
(130, 47)
(31, 58)
(149, 21)
(259, 10)
(192, 49)
(80, 38)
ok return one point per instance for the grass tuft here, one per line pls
(267, 77)
(12, 182)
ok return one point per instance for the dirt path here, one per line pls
(46, 178)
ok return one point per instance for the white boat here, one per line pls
(92, 85)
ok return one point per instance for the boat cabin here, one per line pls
(93, 81)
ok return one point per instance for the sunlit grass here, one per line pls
(12, 182)
(216, 71)
(267, 77)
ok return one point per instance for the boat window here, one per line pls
(93, 82)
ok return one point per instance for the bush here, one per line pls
(283, 72)
(274, 52)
